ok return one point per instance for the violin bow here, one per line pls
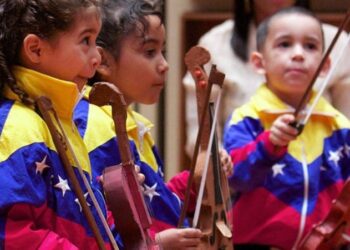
(64, 148)
(300, 125)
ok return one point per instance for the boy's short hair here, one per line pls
(263, 28)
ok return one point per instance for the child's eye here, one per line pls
(284, 44)
(86, 40)
(311, 46)
(150, 52)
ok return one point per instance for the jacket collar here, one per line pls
(267, 102)
(134, 118)
(64, 95)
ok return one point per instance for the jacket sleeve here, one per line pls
(252, 153)
(178, 185)
(21, 231)
(25, 217)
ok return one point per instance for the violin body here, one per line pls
(331, 232)
(119, 192)
(213, 219)
(122, 190)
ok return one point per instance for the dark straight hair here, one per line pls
(243, 14)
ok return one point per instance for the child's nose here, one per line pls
(163, 66)
(95, 58)
(298, 52)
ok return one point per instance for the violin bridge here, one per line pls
(223, 228)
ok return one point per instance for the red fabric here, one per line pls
(178, 185)
(28, 227)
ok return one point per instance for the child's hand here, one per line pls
(179, 238)
(226, 162)
(140, 177)
(281, 133)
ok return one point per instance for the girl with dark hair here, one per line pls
(230, 45)
(132, 41)
(47, 49)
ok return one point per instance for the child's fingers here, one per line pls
(279, 138)
(140, 177)
(192, 233)
(283, 124)
(226, 162)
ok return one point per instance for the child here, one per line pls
(285, 182)
(132, 41)
(47, 49)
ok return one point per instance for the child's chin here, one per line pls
(151, 101)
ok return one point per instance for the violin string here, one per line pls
(89, 189)
(206, 163)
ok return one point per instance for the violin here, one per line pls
(123, 192)
(331, 232)
(211, 211)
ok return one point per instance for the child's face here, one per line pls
(141, 68)
(73, 55)
(292, 53)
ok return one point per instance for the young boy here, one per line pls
(285, 182)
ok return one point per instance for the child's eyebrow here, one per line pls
(150, 40)
(88, 31)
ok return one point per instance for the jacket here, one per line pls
(282, 192)
(38, 206)
(164, 206)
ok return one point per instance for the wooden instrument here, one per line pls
(61, 142)
(212, 218)
(123, 192)
(330, 233)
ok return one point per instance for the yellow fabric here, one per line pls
(63, 95)
(144, 148)
(325, 119)
(98, 119)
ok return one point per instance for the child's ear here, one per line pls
(257, 61)
(326, 67)
(105, 67)
(32, 48)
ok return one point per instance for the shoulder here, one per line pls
(21, 116)
(99, 127)
(247, 110)
(329, 28)
(333, 115)
(341, 120)
(330, 31)
(222, 30)
(21, 127)
(134, 117)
